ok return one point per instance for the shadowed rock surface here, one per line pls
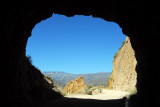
(21, 84)
(75, 102)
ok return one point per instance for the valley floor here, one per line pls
(105, 95)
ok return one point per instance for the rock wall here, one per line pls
(29, 88)
(124, 75)
(75, 86)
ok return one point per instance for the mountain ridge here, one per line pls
(95, 79)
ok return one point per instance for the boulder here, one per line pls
(74, 86)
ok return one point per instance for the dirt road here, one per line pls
(105, 95)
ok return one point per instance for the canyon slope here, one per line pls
(123, 74)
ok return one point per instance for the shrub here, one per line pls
(116, 54)
(90, 90)
(132, 92)
(29, 58)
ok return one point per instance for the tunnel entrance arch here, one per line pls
(132, 17)
(101, 43)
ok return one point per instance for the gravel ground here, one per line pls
(105, 95)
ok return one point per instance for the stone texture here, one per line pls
(124, 75)
(74, 86)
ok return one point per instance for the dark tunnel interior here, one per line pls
(24, 85)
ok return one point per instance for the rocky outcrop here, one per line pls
(51, 82)
(124, 75)
(75, 86)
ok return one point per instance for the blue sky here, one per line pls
(79, 44)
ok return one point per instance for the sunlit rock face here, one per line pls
(74, 86)
(124, 76)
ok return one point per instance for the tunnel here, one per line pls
(22, 85)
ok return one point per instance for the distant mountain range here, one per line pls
(94, 79)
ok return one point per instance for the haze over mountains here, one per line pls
(94, 79)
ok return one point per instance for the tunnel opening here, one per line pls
(135, 18)
(67, 48)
